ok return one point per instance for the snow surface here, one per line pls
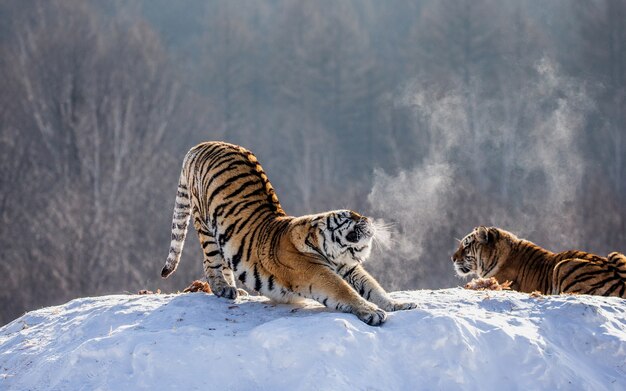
(457, 339)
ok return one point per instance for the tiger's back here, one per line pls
(224, 188)
(220, 175)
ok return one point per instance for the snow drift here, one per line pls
(457, 339)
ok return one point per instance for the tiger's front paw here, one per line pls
(226, 291)
(373, 317)
(400, 306)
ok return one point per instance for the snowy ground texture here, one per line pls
(457, 339)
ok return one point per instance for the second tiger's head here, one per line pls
(482, 251)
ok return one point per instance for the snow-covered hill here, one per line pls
(457, 339)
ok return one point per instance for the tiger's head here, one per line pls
(482, 252)
(338, 237)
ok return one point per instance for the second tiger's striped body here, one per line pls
(246, 236)
(493, 252)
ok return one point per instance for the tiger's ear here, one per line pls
(482, 235)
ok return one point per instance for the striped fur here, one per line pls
(493, 252)
(603, 278)
(247, 237)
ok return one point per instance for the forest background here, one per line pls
(433, 115)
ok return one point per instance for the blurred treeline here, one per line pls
(99, 101)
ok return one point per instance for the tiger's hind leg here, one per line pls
(229, 276)
(566, 276)
(617, 262)
(222, 284)
(591, 278)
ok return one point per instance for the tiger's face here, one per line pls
(340, 236)
(481, 252)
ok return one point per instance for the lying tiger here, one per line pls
(493, 252)
(246, 235)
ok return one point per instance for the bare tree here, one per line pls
(94, 102)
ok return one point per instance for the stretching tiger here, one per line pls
(246, 235)
(493, 252)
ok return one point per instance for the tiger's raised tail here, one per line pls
(180, 221)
